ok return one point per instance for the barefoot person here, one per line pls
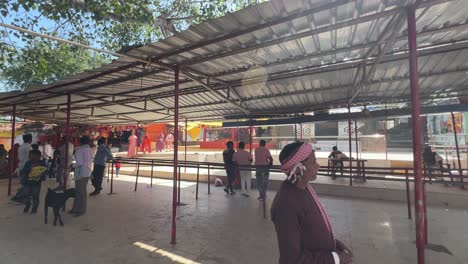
(304, 231)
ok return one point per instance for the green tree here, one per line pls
(115, 25)
(47, 61)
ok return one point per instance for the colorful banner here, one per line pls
(446, 124)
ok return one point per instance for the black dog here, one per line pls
(57, 201)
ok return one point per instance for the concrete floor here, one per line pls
(215, 229)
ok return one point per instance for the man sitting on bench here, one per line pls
(337, 157)
(432, 162)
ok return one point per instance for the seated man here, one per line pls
(432, 162)
(336, 162)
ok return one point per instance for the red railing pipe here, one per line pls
(176, 149)
(12, 156)
(350, 147)
(457, 148)
(408, 195)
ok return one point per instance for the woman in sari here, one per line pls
(160, 142)
(132, 144)
(305, 234)
(169, 141)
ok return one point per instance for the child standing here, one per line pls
(33, 173)
(117, 167)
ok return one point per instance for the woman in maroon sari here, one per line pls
(305, 235)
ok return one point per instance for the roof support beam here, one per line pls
(391, 30)
(344, 87)
(214, 91)
(98, 85)
(125, 105)
(95, 76)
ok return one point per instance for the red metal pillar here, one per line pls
(417, 153)
(408, 194)
(12, 158)
(457, 148)
(385, 133)
(350, 146)
(176, 148)
(138, 139)
(237, 135)
(250, 135)
(67, 142)
(356, 137)
(185, 152)
(385, 137)
(204, 133)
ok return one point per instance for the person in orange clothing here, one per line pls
(145, 143)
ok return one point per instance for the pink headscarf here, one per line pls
(293, 166)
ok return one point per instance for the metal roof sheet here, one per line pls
(278, 57)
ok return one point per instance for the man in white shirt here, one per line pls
(23, 151)
(46, 150)
(23, 157)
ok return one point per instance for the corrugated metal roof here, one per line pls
(278, 57)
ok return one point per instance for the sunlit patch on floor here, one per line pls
(164, 253)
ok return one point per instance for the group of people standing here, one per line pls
(89, 165)
(239, 164)
(140, 141)
(90, 162)
(165, 142)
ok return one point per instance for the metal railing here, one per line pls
(405, 175)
